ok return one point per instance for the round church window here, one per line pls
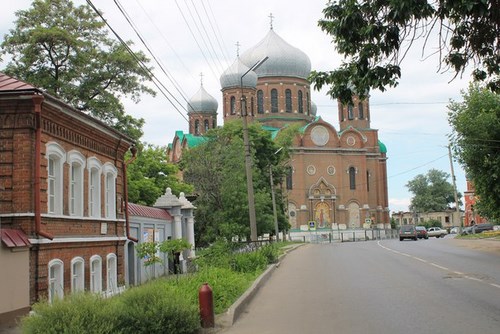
(330, 170)
(320, 135)
(311, 170)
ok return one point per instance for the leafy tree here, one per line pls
(375, 36)
(476, 143)
(65, 50)
(431, 192)
(150, 175)
(217, 170)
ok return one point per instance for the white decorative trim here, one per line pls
(74, 240)
(311, 170)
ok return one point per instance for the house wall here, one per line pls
(14, 287)
(74, 236)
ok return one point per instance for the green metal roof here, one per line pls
(194, 141)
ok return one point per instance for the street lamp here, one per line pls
(248, 157)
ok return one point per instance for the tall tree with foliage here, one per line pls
(375, 36)
(431, 192)
(66, 51)
(150, 175)
(476, 143)
(216, 169)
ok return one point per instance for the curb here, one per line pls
(228, 318)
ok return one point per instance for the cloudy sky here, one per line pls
(190, 37)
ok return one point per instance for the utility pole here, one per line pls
(248, 156)
(455, 189)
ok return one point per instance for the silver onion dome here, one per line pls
(202, 102)
(232, 77)
(284, 59)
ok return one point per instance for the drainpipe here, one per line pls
(37, 100)
(133, 149)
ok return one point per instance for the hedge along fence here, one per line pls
(152, 308)
(164, 305)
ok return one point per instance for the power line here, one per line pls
(154, 79)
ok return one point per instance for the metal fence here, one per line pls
(353, 235)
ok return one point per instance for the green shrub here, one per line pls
(77, 313)
(157, 308)
(227, 286)
(217, 255)
(249, 262)
(270, 252)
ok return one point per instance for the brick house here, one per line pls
(62, 196)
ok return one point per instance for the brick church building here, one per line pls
(338, 176)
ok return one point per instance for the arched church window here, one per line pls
(367, 181)
(350, 112)
(289, 180)
(288, 100)
(252, 106)
(233, 105)
(214, 124)
(300, 102)
(260, 102)
(197, 127)
(308, 104)
(206, 125)
(274, 100)
(361, 113)
(352, 178)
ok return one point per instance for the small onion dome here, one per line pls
(382, 147)
(202, 102)
(232, 76)
(284, 59)
(314, 109)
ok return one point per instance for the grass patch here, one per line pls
(493, 235)
(165, 305)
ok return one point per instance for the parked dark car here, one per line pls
(478, 228)
(407, 232)
(421, 232)
(483, 227)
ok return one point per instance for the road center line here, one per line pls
(438, 266)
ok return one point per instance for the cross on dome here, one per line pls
(238, 49)
(271, 17)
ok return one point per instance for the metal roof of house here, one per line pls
(14, 238)
(149, 212)
(11, 84)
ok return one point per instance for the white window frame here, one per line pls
(77, 274)
(55, 156)
(95, 274)
(110, 174)
(76, 162)
(55, 279)
(94, 167)
(112, 273)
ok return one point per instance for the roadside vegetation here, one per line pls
(164, 305)
(493, 235)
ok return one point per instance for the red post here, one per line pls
(206, 306)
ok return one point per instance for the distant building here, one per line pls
(447, 218)
(471, 215)
(338, 177)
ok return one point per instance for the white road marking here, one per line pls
(438, 266)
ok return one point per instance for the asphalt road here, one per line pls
(389, 287)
